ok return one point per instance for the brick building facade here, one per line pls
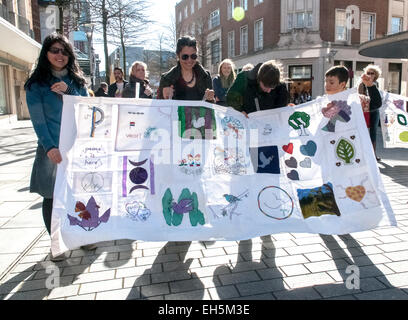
(306, 36)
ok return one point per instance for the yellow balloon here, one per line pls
(238, 14)
(404, 136)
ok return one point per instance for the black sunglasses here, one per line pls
(186, 56)
(371, 73)
(55, 50)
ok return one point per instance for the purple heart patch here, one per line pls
(293, 175)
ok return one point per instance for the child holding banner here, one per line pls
(336, 79)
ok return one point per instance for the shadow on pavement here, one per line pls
(178, 270)
(356, 276)
(37, 282)
(395, 173)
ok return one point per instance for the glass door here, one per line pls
(3, 98)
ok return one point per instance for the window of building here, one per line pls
(396, 24)
(300, 84)
(215, 51)
(300, 72)
(256, 2)
(193, 29)
(394, 77)
(342, 34)
(192, 6)
(180, 17)
(243, 40)
(231, 44)
(258, 33)
(230, 9)
(300, 13)
(214, 19)
(367, 27)
(21, 8)
(199, 4)
(243, 4)
(185, 12)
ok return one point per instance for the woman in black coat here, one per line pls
(368, 87)
(188, 80)
(137, 74)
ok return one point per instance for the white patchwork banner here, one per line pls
(164, 170)
(394, 120)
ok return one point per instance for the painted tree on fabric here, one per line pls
(336, 111)
(299, 121)
(187, 203)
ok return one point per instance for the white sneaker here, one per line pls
(89, 247)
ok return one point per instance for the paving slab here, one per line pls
(285, 266)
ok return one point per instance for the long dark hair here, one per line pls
(42, 72)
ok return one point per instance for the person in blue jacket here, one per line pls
(223, 81)
(57, 73)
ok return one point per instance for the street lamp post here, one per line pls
(91, 53)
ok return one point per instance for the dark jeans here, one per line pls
(374, 121)
(47, 211)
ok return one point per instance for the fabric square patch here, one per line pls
(197, 123)
(318, 201)
(265, 159)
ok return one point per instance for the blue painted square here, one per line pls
(265, 159)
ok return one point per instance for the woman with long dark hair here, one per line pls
(57, 73)
(188, 80)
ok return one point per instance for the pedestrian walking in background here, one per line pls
(188, 80)
(102, 90)
(223, 81)
(247, 67)
(115, 89)
(57, 73)
(368, 86)
(138, 74)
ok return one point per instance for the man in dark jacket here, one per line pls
(116, 88)
(258, 89)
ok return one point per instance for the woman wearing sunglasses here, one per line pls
(368, 87)
(188, 80)
(57, 73)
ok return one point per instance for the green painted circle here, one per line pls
(404, 136)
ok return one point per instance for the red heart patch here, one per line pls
(288, 148)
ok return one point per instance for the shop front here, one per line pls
(300, 83)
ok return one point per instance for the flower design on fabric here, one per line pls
(89, 215)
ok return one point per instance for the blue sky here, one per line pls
(161, 11)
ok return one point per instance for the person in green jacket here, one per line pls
(258, 89)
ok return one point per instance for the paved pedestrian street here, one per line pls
(364, 265)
